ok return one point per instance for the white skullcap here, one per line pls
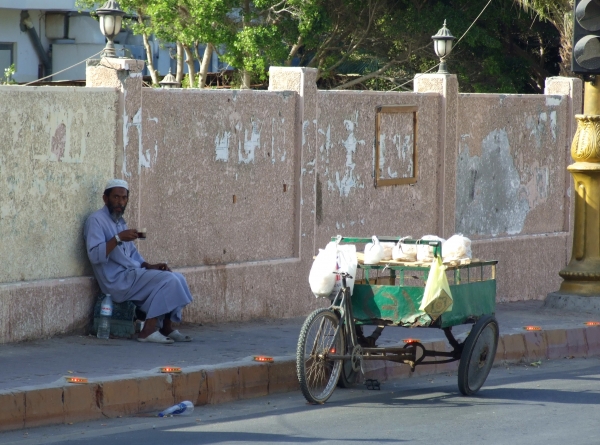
(117, 183)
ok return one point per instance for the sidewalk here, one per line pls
(217, 365)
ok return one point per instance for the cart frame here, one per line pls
(335, 354)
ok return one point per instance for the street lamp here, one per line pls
(111, 17)
(442, 44)
(169, 81)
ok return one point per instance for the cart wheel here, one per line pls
(318, 374)
(478, 355)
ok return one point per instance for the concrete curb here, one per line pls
(152, 391)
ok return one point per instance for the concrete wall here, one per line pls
(239, 189)
(511, 174)
(56, 151)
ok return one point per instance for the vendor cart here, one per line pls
(331, 348)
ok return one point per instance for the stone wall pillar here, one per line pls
(447, 86)
(126, 76)
(304, 82)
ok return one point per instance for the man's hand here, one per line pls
(157, 266)
(128, 235)
(125, 235)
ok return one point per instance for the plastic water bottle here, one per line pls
(182, 409)
(106, 309)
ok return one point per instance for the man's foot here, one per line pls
(176, 335)
(156, 337)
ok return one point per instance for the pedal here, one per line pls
(373, 384)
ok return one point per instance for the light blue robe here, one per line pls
(156, 292)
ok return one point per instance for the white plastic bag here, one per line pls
(387, 250)
(373, 252)
(457, 247)
(404, 252)
(424, 251)
(321, 277)
(346, 262)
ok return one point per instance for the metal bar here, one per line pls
(377, 144)
(451, 339)
(428, 353)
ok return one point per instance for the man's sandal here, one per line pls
(157, 337)
(178, 336)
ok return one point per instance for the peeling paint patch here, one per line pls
(537, 188)
(489, 197)
(59, 141)
(251, 144)
(553, 124)
(327, 146)
(222, 146)
(553, 101)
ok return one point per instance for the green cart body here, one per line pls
(473, 291)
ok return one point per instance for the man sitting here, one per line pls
(126, 276)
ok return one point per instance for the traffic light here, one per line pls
(586, 37)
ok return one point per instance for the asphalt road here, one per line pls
(557, 402)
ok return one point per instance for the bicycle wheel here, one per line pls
(317, 373)
(478, 355)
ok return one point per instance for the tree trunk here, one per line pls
(179, 75)
(149, 52)
(245, 80)
(294, 51)
(206, 58)
(151, 70)
(189, 60)
(245, 23)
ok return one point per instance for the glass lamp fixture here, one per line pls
(111, 18)
(442, 44)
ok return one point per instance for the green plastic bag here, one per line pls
(437, 297)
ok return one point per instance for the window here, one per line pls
(6, 57)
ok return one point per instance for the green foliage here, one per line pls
(8, 75)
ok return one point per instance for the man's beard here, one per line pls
(115, 215)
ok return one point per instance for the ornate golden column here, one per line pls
(582, 274)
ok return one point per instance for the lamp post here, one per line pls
(169, 81)
(111, 18)
(442, 44)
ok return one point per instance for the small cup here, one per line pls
(142, 233)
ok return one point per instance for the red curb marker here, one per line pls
(532, 328)
(169, 369)
(411, 340)
(263, 358)
(76, 379)
(592, 323)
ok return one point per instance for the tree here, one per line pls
(190, 22)
(367, 44)
(560, 14)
